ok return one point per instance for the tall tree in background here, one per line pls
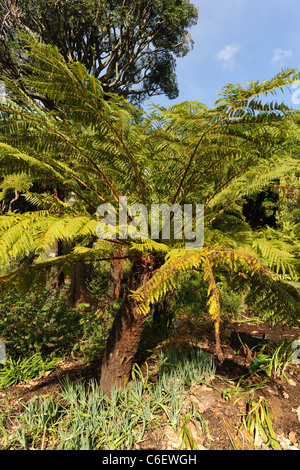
(131, 46)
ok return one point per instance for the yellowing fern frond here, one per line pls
(213, 303)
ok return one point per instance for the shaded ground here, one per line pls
(283, 397)
(219, 413)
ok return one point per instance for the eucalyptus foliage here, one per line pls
(131, 46)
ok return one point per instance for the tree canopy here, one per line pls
(130, 46)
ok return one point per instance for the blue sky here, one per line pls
(236, 41)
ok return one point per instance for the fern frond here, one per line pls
(17, 235)
(275, 299)
(209, 260)
(37, 232)
(213, 303)
(49, 202)
(277, 257)
(37, 273)
(146, 246)
(253, 180)
(164, 279)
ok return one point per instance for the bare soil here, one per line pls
(220, 414)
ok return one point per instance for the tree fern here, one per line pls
(94, 148)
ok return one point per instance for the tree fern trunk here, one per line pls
(116, 275)
(78, 291)
(125, 333)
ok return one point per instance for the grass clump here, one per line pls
(28, 368)
(81, 417)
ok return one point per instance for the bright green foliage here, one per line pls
(90, 149)
(274, 358)
(17, 371)
(13, 184)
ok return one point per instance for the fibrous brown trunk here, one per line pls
(116, 274)
(78, 291)
(125, 333)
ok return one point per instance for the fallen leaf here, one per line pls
(216, 410)
(298, 412)
(292, 437)
(29, 383)
(241, 405)
(284, 442)
(46, 373)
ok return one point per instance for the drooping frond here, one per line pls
(36, 274)
(213, 303)
(252, 271)
(164, 279)
(277, 300)
(213, 260)
(254, 179)
(277, 254)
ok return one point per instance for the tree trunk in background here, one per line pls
(78, 291)
(116, 275)
(126, 331)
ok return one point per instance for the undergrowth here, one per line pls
(39, 329)
(82, 418)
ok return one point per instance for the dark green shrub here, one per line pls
(38, 322)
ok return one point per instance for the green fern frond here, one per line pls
(147, 246)
(277, 257)
(253, 180)
(37, 273)
(209, 260)
(37, 232)
(164, 279)
(17, 182)
(49, 202)
(17, 235)
(179, 261)
(275, 299)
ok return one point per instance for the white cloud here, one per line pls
(279, 55)
(227, 54)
